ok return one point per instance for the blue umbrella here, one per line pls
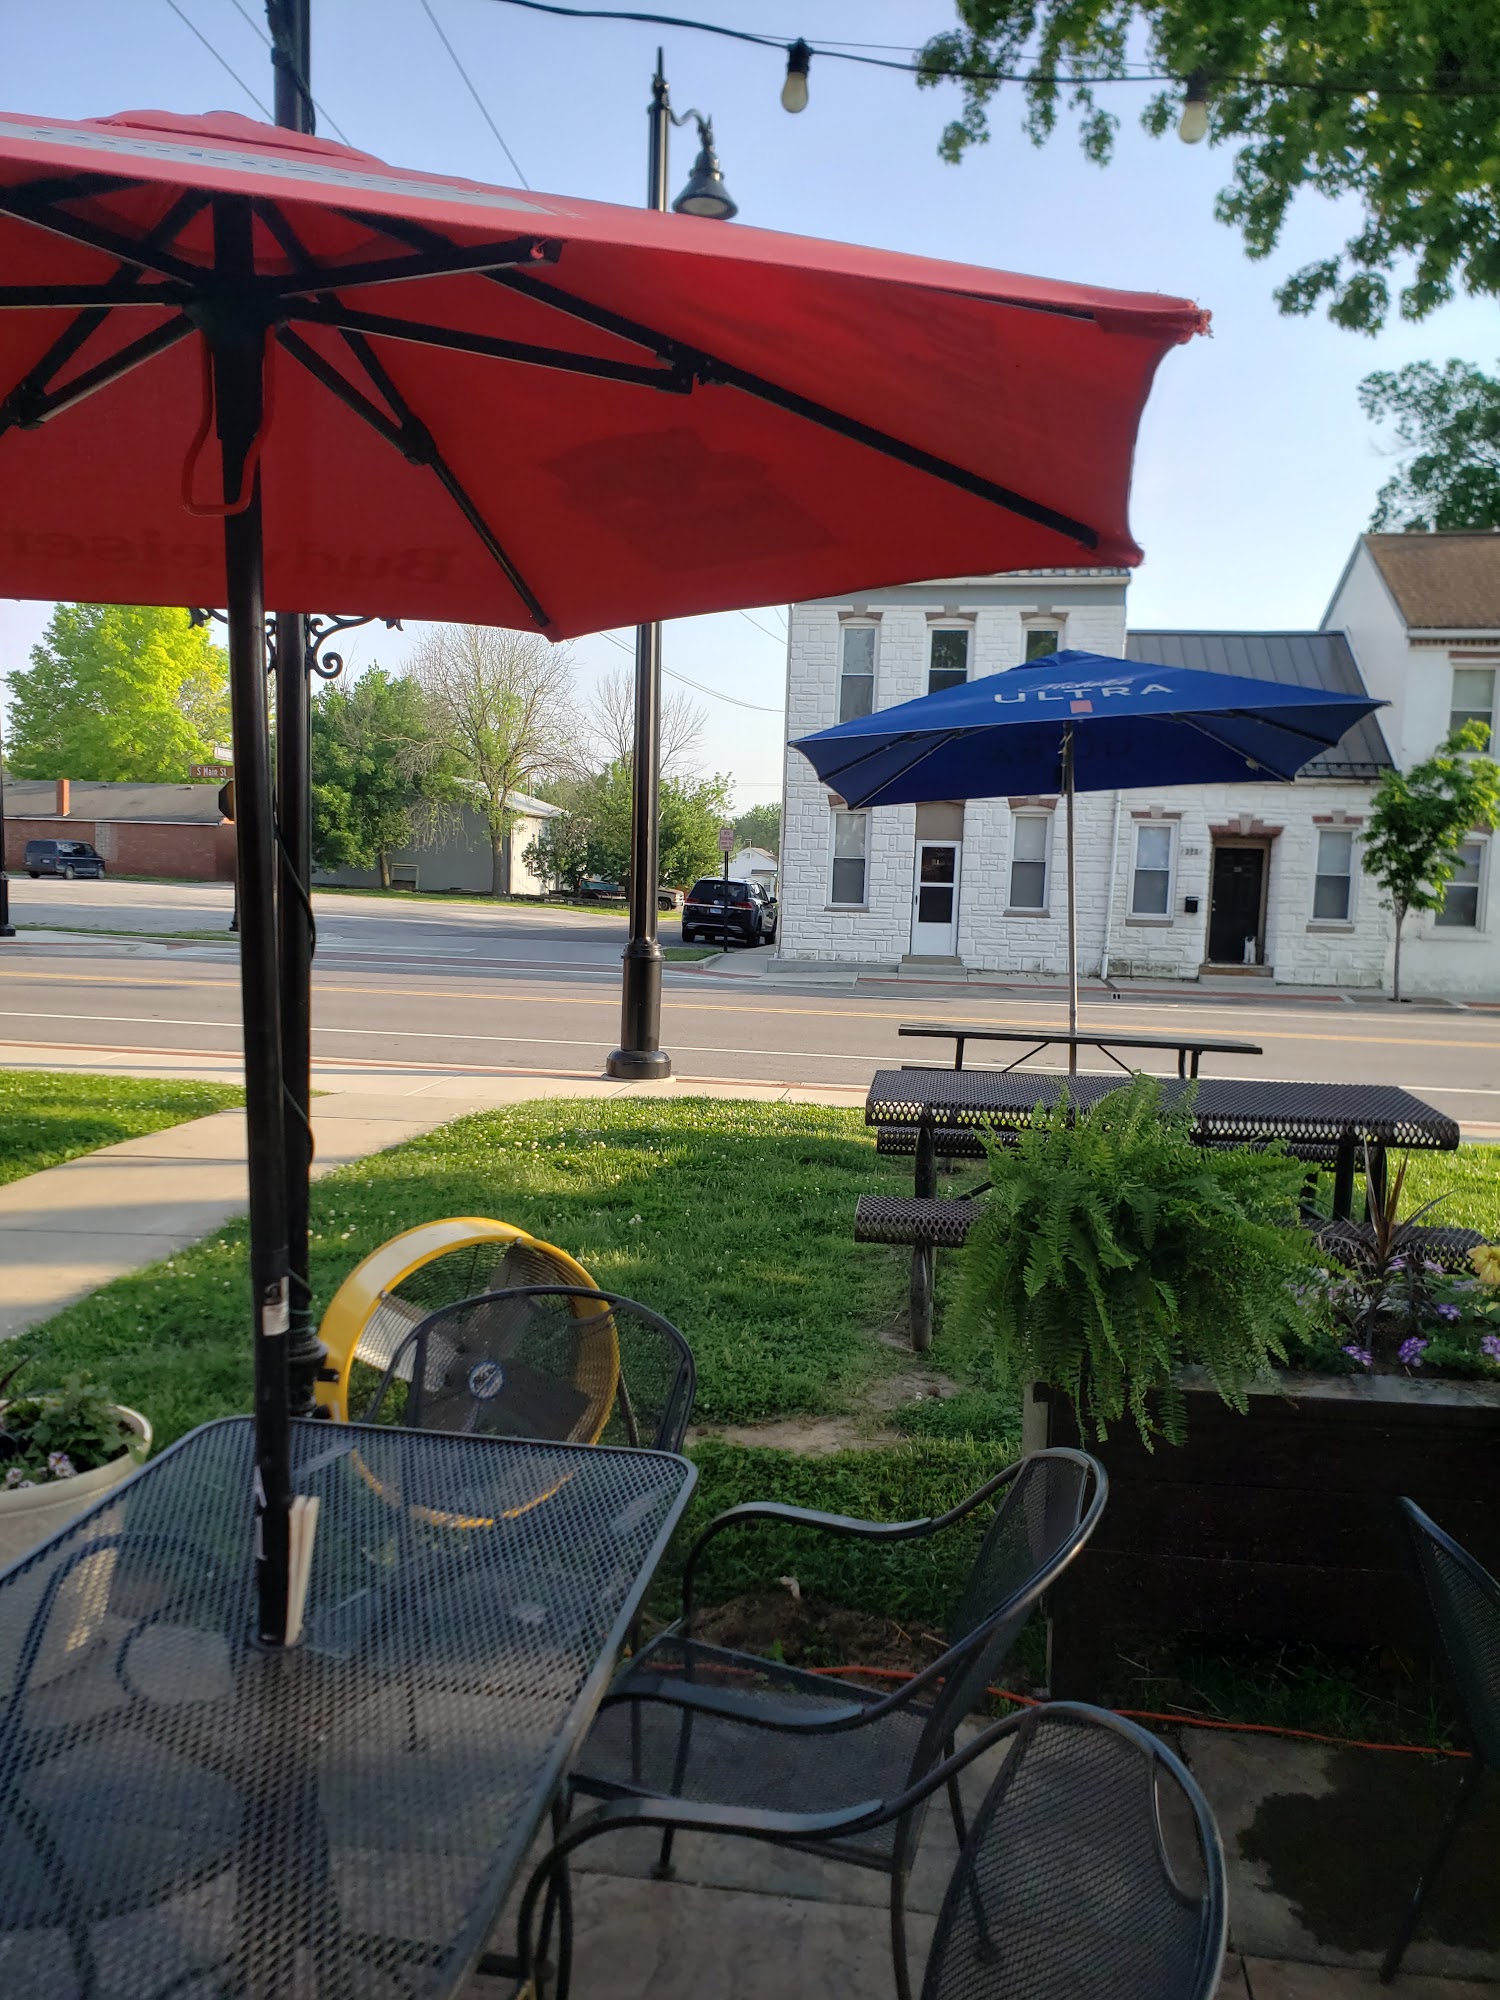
(1079, 722)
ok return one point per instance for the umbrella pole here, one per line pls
(1067, 778)
(238, 350)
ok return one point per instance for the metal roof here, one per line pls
(1293, 659)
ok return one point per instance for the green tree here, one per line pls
(503, 703)
(1447, 424)
(1420, 818)
(118, 692)
(596, 841)
(560, 852)
(1394, 106)
(760, 827)
(375, 759)
(692, 811)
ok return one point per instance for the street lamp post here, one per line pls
(640, 1056)
(7, 928)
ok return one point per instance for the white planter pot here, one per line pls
(78, 1615)
(32, 1513)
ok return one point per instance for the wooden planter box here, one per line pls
(1280, 1524)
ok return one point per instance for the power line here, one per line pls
(484, 111)
(672, 674)
(194, 30)
(332, 123)
(1349, 82)
(777, 636)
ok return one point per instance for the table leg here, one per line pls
(919, 1315)
(925, 1179)
(1343, 1179)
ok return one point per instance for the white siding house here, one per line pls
(1173, 883)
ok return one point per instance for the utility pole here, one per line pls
(291, 61)
(640, 1056)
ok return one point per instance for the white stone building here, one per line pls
(1172, 883)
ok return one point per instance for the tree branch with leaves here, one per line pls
(1446, 423)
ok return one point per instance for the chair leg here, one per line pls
(955, 1801)
(899, 1960)
(1430, 1872)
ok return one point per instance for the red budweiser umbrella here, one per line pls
(455, 401)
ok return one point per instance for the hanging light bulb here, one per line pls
(794, 90)
(1193, 125)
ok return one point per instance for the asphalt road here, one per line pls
(466, 987)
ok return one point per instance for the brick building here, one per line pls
(174, 830)
(1176, 882)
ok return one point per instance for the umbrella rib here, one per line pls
(400, 270)
(1236, 749)
(419, 333)
(928, 749)
(413, 439)
(340, 386)
(711, 370)
(143, 255)
(42, 408)
(14, 298)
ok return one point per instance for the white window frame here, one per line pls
(1480, 926)
(1044, 907)
(1492, 668)
(1169, 827)
(951, 625)
(846, 625)
(836, 813)
(1345, 923)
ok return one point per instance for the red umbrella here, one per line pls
(457, 401)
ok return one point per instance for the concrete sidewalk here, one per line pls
(69, 1229)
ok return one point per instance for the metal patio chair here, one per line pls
(568, 1362)
(687, 1721)
(1464, 1600)
(1093, 1869)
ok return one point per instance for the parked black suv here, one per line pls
(749, 906)
(63, 857)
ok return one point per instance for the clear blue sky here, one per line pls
(1255, 470)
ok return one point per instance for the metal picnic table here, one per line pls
(184, 1811)
(1188, 1049)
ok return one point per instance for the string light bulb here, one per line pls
(1193, 125)
(794, 90)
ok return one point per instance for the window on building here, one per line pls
(1474, 698)
(948, 662)
(1042, 640)
(1460, 911)
(1333, 884)
(850, 840)
(1151, 889)
(857, 672)
(1028, 861)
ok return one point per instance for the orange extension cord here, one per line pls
(1181, 1721)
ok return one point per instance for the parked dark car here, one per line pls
(63, 857)
(749, 907)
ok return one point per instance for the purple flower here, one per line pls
(1396, 1264)
(1410, 1352)
(60, 1465)
(1449, 1313)
(1490, 1345)
(16, 1477)
(1432, 1270)
(1360, 1354)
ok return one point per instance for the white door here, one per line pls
(934, 914)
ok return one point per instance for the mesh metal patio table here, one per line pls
(1318, 1121)
(185, 1814)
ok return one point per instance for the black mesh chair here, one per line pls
(1093, 1870)
(543, 1361)
(687, 1721)
(1464, 1600)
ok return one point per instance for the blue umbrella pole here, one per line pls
(1067, 785)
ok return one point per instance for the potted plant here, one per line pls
(60, 1451)
(1280, 1403)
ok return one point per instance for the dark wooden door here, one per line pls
(1234, 909)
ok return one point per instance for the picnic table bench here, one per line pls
(928, 1112)
(1188, 1049)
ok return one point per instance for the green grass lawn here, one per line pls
(48, 1116)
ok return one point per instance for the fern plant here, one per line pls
(1112, 1251)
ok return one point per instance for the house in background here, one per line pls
(456, 855)
(1174, 882)
(173, 830)
(753, 864)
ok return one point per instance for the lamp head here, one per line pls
(705, 193)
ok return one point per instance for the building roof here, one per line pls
(1443, 583)
(1292, 659)
(36, 798)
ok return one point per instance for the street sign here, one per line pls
(212, 774)
(726, 840)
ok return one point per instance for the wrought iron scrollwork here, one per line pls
(319, 631)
